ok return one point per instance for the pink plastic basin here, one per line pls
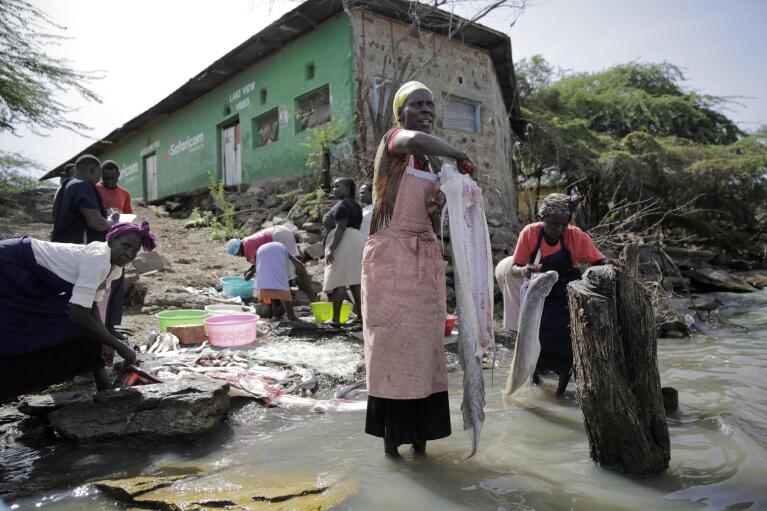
(231, 329)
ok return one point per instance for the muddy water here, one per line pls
(532, 456)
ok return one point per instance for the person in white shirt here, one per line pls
(366, 199)
(49, 319)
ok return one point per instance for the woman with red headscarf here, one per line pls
(51, 326)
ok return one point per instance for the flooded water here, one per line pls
(531, 456)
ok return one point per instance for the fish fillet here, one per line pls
(473, 274)
(527, 349)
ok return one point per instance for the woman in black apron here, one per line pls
(565, 244)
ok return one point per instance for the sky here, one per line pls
(146, 49)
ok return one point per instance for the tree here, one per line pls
(30, 79)
(649, 157)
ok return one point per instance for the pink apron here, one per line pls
(403, 299)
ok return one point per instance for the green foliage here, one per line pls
(320, 140)
(30, 79)
(14, 173)
(309, 205)
(628, 98)
(631, 133)
(221, 225)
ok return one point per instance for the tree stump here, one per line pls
(616, 371)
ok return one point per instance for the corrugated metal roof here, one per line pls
(292, 25)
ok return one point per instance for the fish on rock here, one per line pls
(473, 274)
(527, 349)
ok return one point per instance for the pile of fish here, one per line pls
(473, 273)
(161, 343)
(289, 385)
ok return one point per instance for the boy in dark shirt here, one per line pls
(78, 213)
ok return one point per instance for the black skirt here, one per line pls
(407, 421)
(556, 344)
(34, 371)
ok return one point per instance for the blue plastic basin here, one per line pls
(237, 286)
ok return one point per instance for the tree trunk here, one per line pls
(616, 371)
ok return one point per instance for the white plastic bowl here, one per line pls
(228, 308)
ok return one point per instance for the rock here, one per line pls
(43, 404)
(714, 279)
(188, 334)
(670, 399)
(160, 297)
(307, 237)
(312, 227)
(502, 239)
(10, 415)
(758, 280)
(149, 261)
(314, 251)
(182, 408)
(16, 426)
(172, 206)
(670, 283)
(689, 257)
(673, 329)
(189, 489)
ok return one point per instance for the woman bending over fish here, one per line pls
(554, 244)
(403, 281)
(50, 323)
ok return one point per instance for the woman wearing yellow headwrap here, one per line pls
(403, 280)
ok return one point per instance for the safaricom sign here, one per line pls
(191, 144)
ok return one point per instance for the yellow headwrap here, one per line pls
(402, 94)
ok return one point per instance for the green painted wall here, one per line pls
(188, 142)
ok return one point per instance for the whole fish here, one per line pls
(527, 349)
(351, 391)
(473, 274)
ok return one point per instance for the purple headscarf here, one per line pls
(148, 240)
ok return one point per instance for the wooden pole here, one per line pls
(616, 370)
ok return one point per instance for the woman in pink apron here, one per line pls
(403, 281)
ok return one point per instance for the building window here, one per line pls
(313, 109)
(263, 95)
(310, 70)
(462, 114)
(381, 93)
(266, 128)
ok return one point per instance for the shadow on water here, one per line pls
(26, 471)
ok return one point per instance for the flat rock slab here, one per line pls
(229, 490)
(718, 279)
(43, 404)
(182, 408)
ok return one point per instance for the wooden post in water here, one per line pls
(616, 370)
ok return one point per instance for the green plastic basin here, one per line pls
(180, 317)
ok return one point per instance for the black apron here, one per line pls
(556, 345)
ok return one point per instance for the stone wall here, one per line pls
(446, 66)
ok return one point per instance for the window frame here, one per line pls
(298, 110)
(255, 125)
(477, 113)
